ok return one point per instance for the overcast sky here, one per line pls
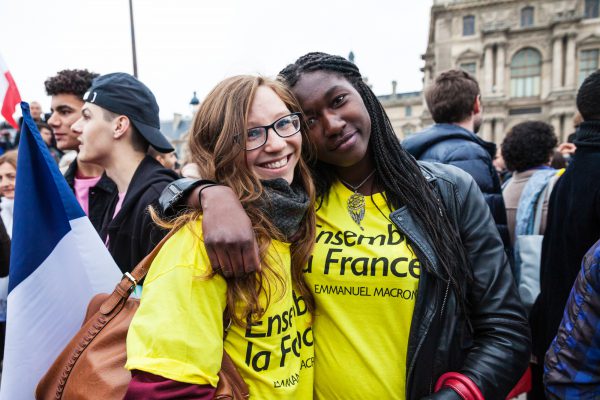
(190, 45)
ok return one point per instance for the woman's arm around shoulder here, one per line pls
(228, 235)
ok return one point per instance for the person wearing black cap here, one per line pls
(118, 122)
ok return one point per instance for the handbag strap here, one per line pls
(130, 279)
(140, 270)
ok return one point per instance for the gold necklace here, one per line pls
(356, 201)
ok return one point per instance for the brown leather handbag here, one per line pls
(92, 365)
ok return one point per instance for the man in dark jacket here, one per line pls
(92, 188)
(573, 224)
(454, 102)
(118, 122)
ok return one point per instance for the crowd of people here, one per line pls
(343, 263)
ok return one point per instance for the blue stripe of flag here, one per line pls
(38, 226)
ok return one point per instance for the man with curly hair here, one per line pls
(526, 149)
(93, 189)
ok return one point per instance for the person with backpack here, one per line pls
(527, 150)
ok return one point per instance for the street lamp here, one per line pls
(351, 56)
(194, 104)
(133, 52)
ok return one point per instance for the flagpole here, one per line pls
(133, 39)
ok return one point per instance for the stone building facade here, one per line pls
(404, 111)
(528, 56)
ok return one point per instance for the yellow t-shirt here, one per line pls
(177, 332)
(365, 285)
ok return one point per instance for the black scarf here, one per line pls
(588, 134)
(285, 205)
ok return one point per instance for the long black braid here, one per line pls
(397, 172)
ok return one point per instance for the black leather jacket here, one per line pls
(492, 344)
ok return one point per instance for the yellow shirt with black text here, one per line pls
(177, 332)
(365, 285)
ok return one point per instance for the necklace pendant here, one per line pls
(356, 208)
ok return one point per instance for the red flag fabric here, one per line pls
(9, 95)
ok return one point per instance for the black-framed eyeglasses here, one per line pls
(285, 127)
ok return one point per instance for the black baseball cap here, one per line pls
(123, 94)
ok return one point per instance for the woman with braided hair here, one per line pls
(413, 293)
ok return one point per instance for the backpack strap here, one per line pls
(529, 199)
(505, 183)
(545, 195)
(539, 210)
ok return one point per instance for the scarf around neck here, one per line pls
(588, 134)
(285, 205)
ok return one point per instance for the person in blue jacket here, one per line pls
(572, 367)
(454, 101)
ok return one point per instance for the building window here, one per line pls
(527, 17)
(470, 67)
(588, 63)
(408, 111)
(522, 111)
(525, 73)
(468, 25)
(592, 8)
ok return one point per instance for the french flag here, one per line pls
(9, 95)
(58, 263)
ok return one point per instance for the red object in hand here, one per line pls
(523, 386)
(461, 384)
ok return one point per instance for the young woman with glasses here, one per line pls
(248, 135)
(413, 293)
